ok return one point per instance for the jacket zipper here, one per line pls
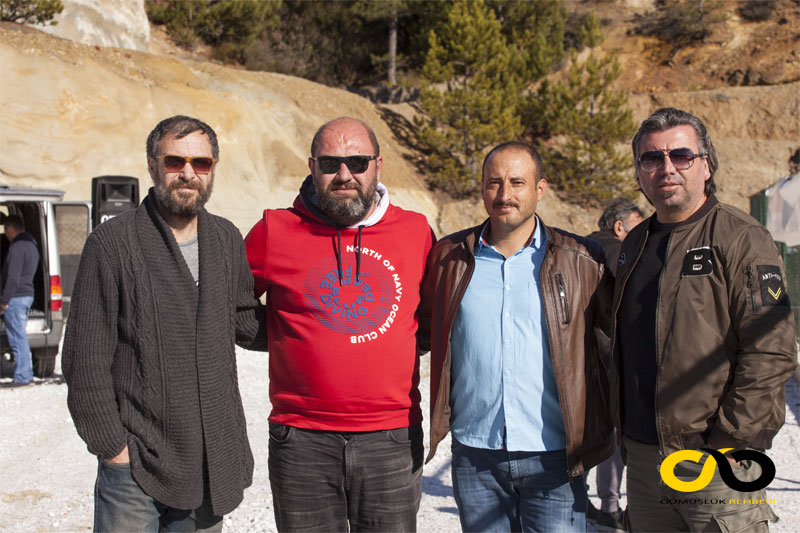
(750, 277)
(562, 295)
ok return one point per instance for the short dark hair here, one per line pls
(14, 221)
(617, 211)
(515, 145)
(180, 126)
(315, 142)
(667, 118)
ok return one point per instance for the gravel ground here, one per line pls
(46, 474)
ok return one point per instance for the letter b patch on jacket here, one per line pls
(697, 262)
(770, 281)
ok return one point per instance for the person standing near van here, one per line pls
(19, 267)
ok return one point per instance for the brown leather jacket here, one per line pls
(725, 337)
(576, 296)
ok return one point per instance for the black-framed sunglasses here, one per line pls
(681, 158)
(175, 163)
(356, 164)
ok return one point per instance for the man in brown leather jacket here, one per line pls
(704, 340)
(515, 310)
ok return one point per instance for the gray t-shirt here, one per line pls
(192, 258)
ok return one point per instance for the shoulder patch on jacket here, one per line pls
(697, 262)
(770, 282)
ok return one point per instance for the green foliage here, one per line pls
(30, 11)
(231, 26)
(681, 22)
(586, 119)
(536, 31)
(472, 95)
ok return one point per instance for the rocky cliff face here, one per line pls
(103, 23)
(72, 112)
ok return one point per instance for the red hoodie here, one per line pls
(342, 349)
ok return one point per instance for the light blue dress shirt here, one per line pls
(503, 386)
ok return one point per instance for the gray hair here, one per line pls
(668, 118)
(617, 211)
(180, 126)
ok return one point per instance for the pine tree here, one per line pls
(390, 11)
(30, 11)
(587, 119)
(472, 97)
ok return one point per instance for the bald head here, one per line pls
(344, 124)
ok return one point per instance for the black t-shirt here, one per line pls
(636, 330)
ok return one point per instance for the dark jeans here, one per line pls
(120, 504)
(499, 490)
(326, 480)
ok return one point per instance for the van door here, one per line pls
(73, 225)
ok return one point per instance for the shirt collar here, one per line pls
(539, 237)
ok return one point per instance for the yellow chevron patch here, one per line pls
(774, 294)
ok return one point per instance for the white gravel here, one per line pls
(47, 476)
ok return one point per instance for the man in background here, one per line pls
(618, 218)
(161, 294)
(16, 296)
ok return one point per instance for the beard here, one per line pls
(347, 211)
(177, 203)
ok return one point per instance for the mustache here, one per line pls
(505, 204)
(193, 185)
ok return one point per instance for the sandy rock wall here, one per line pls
(103, 23)
(72, 112)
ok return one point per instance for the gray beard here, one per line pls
(182, 208)
(346, 212)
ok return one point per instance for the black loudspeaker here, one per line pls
(112, 195)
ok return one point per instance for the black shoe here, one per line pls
(16, 384)
(592, 513)
(614, 521)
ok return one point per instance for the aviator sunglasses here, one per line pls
(175, 163)
(356, 164)
(681, 158)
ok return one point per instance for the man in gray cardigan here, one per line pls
(162, 293)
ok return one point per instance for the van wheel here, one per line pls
(44, 361)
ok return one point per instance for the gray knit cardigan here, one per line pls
(149, 357)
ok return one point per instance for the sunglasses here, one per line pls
(356, 164)
(175, 163)
(681, 158)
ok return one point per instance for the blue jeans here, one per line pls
(327, 480)
(16, 319)
(499, 490)
(120, 504)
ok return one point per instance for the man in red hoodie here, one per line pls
(342, 270)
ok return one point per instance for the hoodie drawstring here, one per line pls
(339, 253)
(358, 253)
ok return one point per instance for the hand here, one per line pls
(731, 460)
(122, 459)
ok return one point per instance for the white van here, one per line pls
(60, 229)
